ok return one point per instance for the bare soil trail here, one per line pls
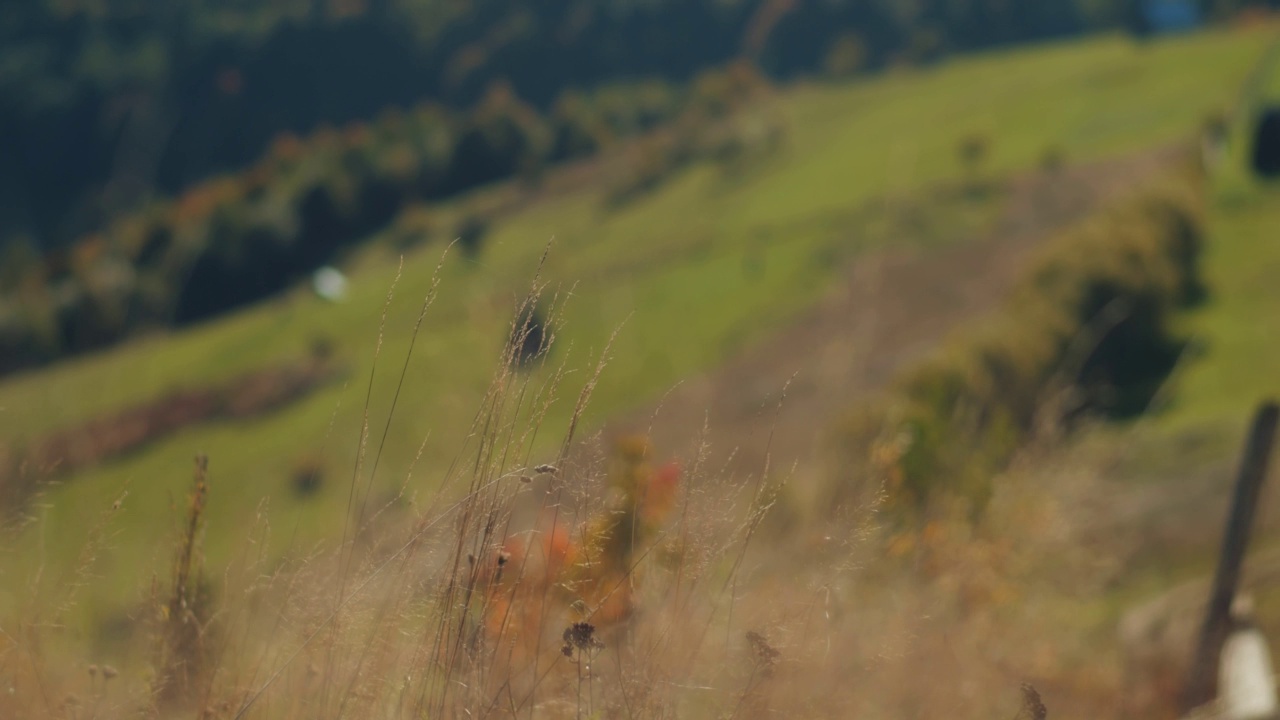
(891, 309)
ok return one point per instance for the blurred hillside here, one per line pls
(169, 162)
(965, 348)
(715, 256)
(107, 101)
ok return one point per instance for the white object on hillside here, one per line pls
(1246, 680)
(329, 283)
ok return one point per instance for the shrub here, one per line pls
(720, 92)
(972, 151)
(634, 108)
(471, 233)
(1265, 157)
(846, 56)
(741, 142)
(415, 227)
(19, 260)
(1091, 322)
(1053, 159)
(307, 476)
(594, 567)
(501, 138)
(578, 129)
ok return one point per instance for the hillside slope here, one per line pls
(733, 256)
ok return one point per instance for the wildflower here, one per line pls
(660, 493)
(580, 636)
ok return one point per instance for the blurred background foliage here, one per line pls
(167, 160)
(107, 100)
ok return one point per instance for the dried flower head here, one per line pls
(582, 637)
(546, 469)
(93, 671)
(109, 672)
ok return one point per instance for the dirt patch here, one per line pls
(893, 307)
(23, 467)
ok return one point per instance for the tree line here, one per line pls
(104, 103)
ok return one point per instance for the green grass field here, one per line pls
(697, 270)
(1238, 324)
(1229, 366)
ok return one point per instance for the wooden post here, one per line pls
(1202, 682)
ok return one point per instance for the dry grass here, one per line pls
(590, 577)
(598, 581)
(592, 580)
